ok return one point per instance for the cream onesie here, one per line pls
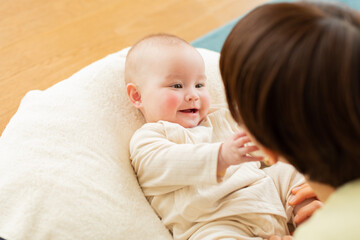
(176, 168)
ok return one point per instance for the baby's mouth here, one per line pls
(191, 110)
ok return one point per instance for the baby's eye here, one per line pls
(199, 85)
(177, 85)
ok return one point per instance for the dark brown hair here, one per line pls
(292, 76)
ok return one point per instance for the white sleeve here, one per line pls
(163, 166)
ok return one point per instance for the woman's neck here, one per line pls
(323, 191)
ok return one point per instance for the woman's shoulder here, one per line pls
(337, 219)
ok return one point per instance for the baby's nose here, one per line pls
(192, 96)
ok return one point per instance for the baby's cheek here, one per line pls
(205, 100)
(172, 101)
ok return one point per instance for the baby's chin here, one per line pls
(189, 124)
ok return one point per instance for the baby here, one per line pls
(193, 161)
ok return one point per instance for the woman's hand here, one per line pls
(305, 198)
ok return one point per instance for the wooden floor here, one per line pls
(43, 42)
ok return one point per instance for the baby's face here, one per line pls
(175, 89)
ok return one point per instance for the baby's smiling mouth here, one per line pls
(190, 110)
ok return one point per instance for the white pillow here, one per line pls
(64, 162)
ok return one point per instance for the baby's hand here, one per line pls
(305, 199)
(233, 151)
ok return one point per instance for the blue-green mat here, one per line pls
(215, 39)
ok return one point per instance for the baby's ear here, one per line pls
(133, 94)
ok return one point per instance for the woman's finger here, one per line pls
(275, 238)
(298, 188)
(301, 194)
(307, 211)
(280, 238)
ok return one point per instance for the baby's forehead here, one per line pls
(153, 48)
(174, 76)
(148, 56)
(157, 54)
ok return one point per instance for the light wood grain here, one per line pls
(43, 42)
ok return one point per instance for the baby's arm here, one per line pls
(289, 181)
(305, 204)
(163, 166)
(285, 178)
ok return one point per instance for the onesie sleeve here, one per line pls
(285, 178)
(163, 166)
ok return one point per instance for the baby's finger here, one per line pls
(251, 159)
(248, 149)
(239, 142)
(239, 135)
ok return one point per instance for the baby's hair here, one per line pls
(150, 41)
(291, 75)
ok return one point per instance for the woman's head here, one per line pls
(292, 76)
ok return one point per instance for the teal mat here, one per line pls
(215, 39)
